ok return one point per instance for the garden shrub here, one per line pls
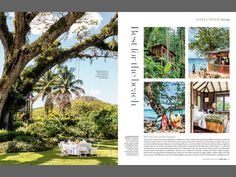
(5, 136)
(30, 146)
(25, 138)
(8, 135)
(18, 146)
(3, 147)
(90, 120)
(18, 124)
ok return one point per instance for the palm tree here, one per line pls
(65, 87)
(44, 88)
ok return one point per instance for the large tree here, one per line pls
(208, 39)
(158, 94)
(18, 77)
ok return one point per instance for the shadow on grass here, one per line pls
(52, 157)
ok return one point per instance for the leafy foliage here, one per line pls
(58, 85)
(207, 39)
(88, 119)
(157, 70)
(65, 86)
(167, 94)
(163, 67)
(160, 35)
(45, 89)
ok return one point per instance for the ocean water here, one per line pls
(199, 62)
(149, 114)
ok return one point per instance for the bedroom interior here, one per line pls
(210, 107)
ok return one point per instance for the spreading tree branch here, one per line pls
(54, 56)
(30, 16)
(21, 29)
(5, 35)
(110, 46)
(29, 51)
(57, 29)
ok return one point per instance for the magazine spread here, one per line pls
(117, 88)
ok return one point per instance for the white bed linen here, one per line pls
(199, 118)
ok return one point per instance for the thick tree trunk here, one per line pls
(152, 100)
(3, 97)
(10, 107)
(7, 120)
(6, 85)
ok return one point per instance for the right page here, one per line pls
(175, 90)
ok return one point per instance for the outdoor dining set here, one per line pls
(77, 148)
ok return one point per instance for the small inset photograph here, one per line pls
(210, 107)
(164, 107)
(164, 52)
(209, 52)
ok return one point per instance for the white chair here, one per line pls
(94, 150)
(63, 149)
(78, 150)
(83, 149)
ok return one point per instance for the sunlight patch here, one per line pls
(23, 157)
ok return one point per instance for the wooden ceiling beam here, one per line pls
(208, 90)
(213, 86)
(220, 86)
(195, 83)
(206, 87)
(200, 85)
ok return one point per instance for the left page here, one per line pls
(58, 88)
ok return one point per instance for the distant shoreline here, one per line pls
(198, 58)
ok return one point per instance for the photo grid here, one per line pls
(186, 79)
(209, 74)
(164, 86)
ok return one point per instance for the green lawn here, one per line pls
(107, 154)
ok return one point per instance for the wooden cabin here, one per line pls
(209, 98)
(219, 61)
(161, 51)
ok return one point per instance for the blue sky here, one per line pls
(103, 89)
(193, 54)
(191, 37)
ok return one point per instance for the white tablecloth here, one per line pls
(72, 149)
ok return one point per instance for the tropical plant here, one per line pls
(155, 69)
(174, 39)
(44, 88)
(65, 87)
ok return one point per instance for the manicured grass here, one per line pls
(107, 154)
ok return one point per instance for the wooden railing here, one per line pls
(218, 68)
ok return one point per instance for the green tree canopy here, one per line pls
(165, 94)
(207, 39)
